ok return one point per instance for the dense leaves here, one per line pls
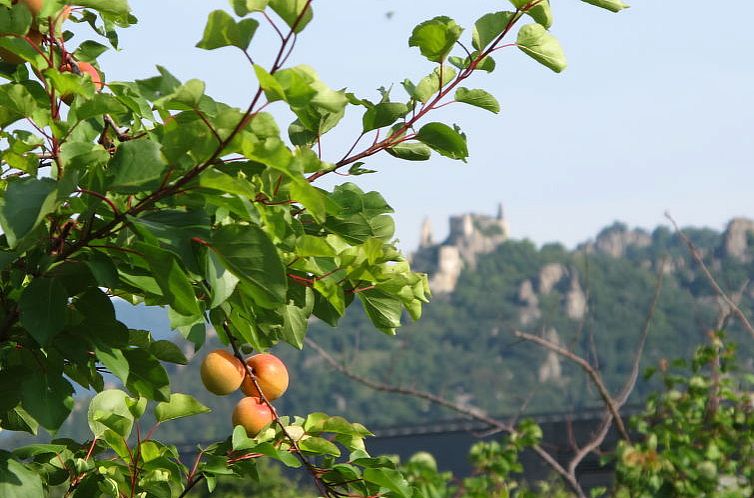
(153, 193)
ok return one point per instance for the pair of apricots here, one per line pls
(34, 37)
(222, 373)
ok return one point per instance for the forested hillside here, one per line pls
(593, 299)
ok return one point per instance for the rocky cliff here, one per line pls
(470, 236)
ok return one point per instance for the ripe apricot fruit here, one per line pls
(271, 375)
(221, 372)
(252, 414)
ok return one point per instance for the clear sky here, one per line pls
(654, 113)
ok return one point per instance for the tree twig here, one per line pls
(628, 386)
(590, 371)
(439, 400)
(711, 279)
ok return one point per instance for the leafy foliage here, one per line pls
(696, 434)
(154, 192)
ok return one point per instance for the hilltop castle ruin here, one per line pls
(470, 235)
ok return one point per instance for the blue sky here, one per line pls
(654, 113)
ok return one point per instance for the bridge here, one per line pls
(450, 440)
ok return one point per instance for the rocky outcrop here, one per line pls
(616, 239)
(530, 312)
(551, 370)
(575, 300)
(738, 240)
(549, 276)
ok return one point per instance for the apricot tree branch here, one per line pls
(321, 486)
(711, 279)
(167, 191)
(397, 136)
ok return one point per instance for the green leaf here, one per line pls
(430, 84)
(489, 27)
(611, 5)
(146, 375)
(312, 198)
(223, 182)
(388, 478)
(89, 50)
(319, 446)
(109, 410)
(43, 305)
(137, 164)
(541, 12)
(410, 151)
(356, 169)
(113, 359)
(478, 98)
(309, 245)
(444, 139)
(243, 7)
(435, 38)
(250, 255)
(99, 104)
(19, 419)
(535, 41)
(18, 481)
(165, 350)
(48, 398)
(223, 31)
(239, 440)
(272, 89)
(180, 405)
(69, 84)
(383, 309)
(16, 20)
(117, 7)
(292, 12)
(383, 114)
(23, 205)
(294, 325)
(171, 278)
(221, 281)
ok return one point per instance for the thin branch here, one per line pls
(430, 105)
(720, 292)
(191, 485)
(628, 386)
(590, 371)
(439, 400)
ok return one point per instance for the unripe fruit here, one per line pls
(252, 414)
(221, 372)
(271, 375)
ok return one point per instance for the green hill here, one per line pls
(593, 299)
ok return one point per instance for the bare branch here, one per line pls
(720, 292)
(604, 428)
(590, 371)
(502, 426)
